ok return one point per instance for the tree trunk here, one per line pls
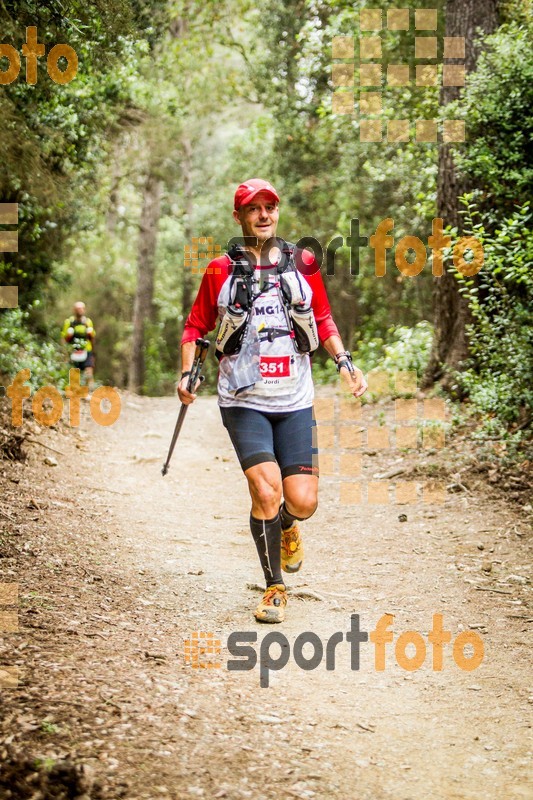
(450, 345)
(187, 284)
(143, 308)
(112, 208)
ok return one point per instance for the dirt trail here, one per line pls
(119, 566)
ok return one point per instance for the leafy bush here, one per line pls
(499, 380)
(498, 107)
(324, 372)
(497, 104)
(407, 351)
(157, 379)
(21, 349)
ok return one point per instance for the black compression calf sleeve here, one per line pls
(287, 519)
(267, 538)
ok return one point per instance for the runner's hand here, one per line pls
(354, 382)
(185, 396)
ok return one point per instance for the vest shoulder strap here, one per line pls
(243, 267)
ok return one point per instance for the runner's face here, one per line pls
(259, 218)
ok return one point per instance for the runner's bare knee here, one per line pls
(266, 494)
(302, 502)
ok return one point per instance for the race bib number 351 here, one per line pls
(278, 375)
(279, 366)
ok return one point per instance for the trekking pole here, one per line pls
(199, 358)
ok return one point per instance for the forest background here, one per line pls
(175, 103)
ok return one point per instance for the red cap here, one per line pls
(247, 191)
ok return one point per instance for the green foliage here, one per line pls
(324, 372)
(409, 352)
(498, 107)
(497, 158)
(369, 351)
(49, 727)
(45, 763)
(405, 350)
(157, 380)
(326, 176)
(55, 136)
(499, 379)
(21, 349)
(74, 156)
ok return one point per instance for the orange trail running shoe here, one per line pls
(272, 606)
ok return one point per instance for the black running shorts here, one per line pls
(288, 438)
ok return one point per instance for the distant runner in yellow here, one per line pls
(79, 334)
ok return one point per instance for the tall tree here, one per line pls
(471, 19)
(187, 285)
(143, 309)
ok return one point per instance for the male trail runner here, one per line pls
(265, 386)
(79, 334)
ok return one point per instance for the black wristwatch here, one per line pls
(183, 375)
(344, 359)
